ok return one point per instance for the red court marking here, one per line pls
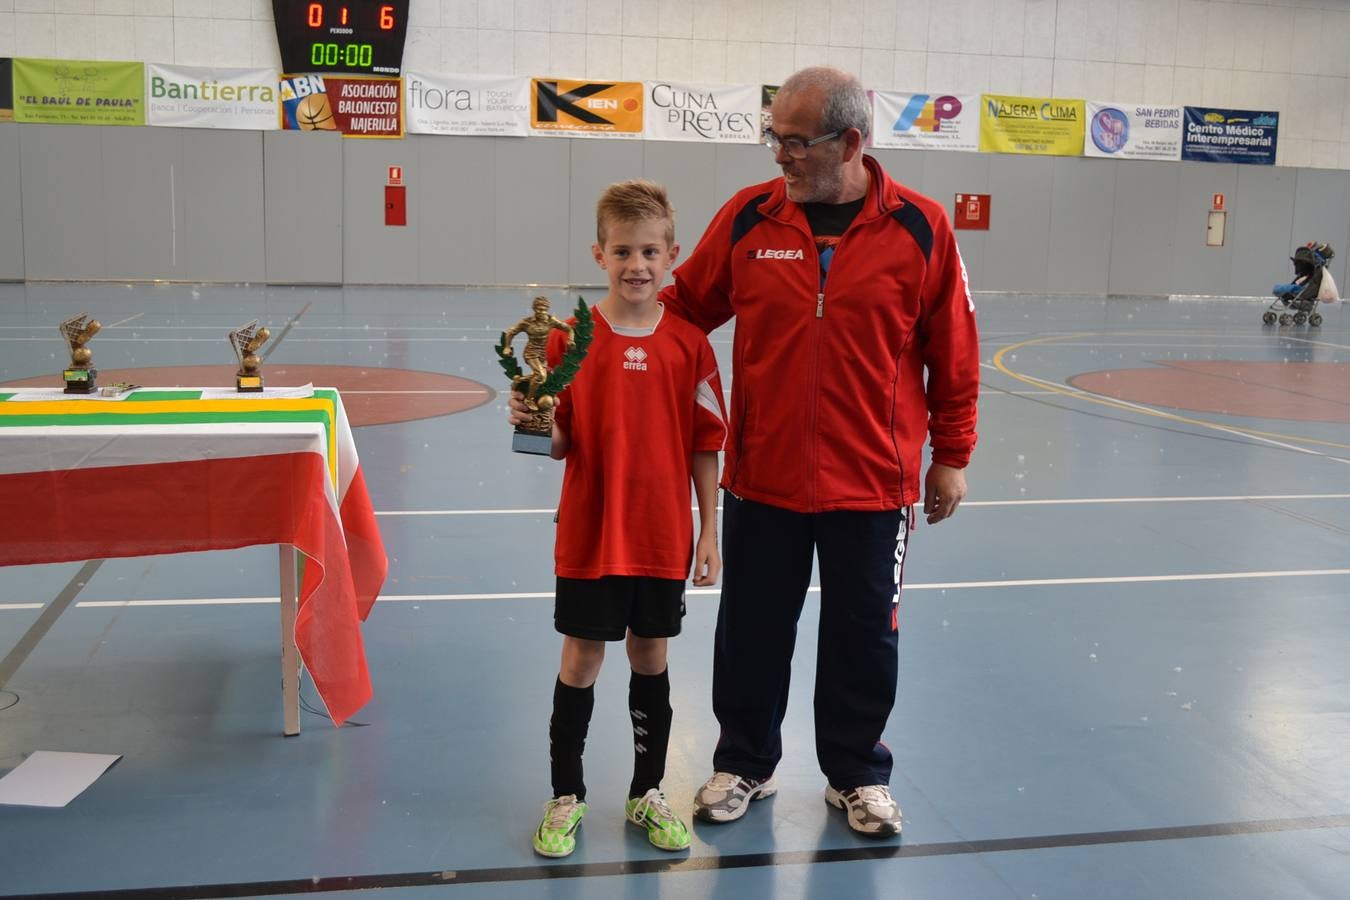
(360, 387)
(1298, 391)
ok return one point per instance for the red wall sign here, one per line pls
(1218, 202)
(395, 176)
(972, 212)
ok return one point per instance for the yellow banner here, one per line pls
(1045, 126)
(79, 92)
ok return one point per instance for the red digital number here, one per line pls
(315, 15)
(386, 18)
(344, 15)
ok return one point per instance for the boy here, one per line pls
(643, 416)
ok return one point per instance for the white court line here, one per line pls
(930, 586)
(1069, 501)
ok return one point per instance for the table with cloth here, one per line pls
(158, 470)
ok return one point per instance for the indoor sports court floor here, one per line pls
(1123, 666)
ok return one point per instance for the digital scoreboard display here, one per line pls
(364, 36)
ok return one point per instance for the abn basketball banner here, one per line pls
(354, 105)
(192, 97)
(926, 121)
(1044, 126)
(79, 92)
(679, 111)
(1230, 136)
(1132, 131)
(468, 104)
(593, 109)
(6, 90)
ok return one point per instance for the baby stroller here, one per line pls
(1312, 284)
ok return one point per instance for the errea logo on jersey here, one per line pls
(765, 253)
(635, 359)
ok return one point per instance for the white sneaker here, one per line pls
(725, 796)
(871, 809)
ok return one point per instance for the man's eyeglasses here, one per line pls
(795, 146)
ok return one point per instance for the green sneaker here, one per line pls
(556, 835)
(664, 828)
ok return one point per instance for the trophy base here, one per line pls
(80, 381)
(538, 444)
(248, 384)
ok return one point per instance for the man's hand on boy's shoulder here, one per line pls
(707, 561)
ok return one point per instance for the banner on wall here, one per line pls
(593, 109)
(6, 90)
(1046, 126)
(79, 92)
(359, 106)
(766, 94)
(926, 121)
(680, 111)
(1132, 131)
(468, 104)
(1230, 136)
(194, 97)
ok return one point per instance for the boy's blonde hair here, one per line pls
(634, 201)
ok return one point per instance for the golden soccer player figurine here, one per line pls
(246, 342)
(540, 388)
(81, 376)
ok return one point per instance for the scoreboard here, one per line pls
(358, 36)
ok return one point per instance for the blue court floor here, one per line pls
(1123, 663)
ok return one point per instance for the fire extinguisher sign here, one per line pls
(972, 212)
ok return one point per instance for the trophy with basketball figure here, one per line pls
(246, 341)
(540, 388)
(81, 377)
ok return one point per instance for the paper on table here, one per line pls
(52, 777)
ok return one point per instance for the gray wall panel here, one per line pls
(740, 166)
(1079, 244)
(11, 205)
(1322, 213)
(453, 193)
(1260, 224)
(373, 252)
(219, 205)
(905, 166)
(944, 176)
(685, 169)
(592, 169)
(1016, 257)
(1142, 227)
(62, 202)
(302, 173)
(532, 238)
(137, 170)
(1197, 268)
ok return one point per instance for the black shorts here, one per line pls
(607, 608)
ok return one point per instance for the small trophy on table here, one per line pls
(540, 387)
(81, 376)
(246, 342)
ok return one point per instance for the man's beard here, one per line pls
(823, 187)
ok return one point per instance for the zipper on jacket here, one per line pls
(820, 305)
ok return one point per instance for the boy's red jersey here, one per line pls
(640, 406)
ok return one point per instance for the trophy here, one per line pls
(246, 342)
(81, 376)
(540, 387)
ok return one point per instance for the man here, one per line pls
(846, 287)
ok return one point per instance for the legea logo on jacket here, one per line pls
(765, 253)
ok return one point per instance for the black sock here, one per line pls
(649, 708)
(567, 737)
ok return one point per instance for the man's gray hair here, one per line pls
(846, 104)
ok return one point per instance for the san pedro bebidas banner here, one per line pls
(1044, 126)
(79, 92)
